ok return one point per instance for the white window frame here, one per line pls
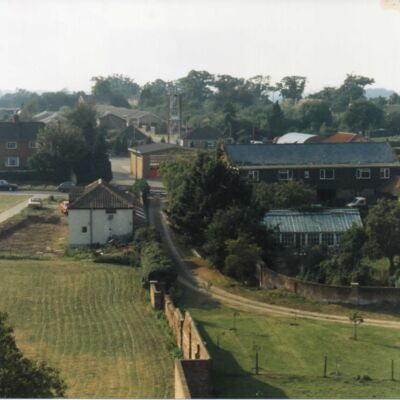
(384, 173)
(287, 172)
(11, 145)
(253, 175)
(307, 174)
(323, 174)
(361, 171)
(11, 165)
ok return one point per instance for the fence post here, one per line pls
(325, 365)
(392, 370)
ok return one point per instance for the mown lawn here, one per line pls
(291, 355)
(92, 322)
(9, 200)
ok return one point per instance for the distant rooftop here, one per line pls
(336, 220)
(152, 148)
(346, 137)
(296, 137)
(20, 130)
(124, 113)
(311, 154)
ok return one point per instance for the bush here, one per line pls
(29, 176)
(118, 259)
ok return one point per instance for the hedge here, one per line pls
(29, 175)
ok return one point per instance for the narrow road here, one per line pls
(186, 278)
(5, 215)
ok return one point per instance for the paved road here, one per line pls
(198, 285)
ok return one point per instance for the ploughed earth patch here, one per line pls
(34, 232)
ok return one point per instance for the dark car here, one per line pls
(4, 185)
(65, 186)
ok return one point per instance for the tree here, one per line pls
(314, 113)
(140, 189)
(100, 162)
(242, 259)
(357, 319)
(21, 377)
(83, 116)
(196, 86)
(383, 230)
(292, 87)
(61, 148)
(362, 115)
(153, 94)
(276, 120)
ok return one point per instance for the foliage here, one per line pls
(21, 377)
(383, 230)
(314, 113)
(140, 189)
(291, 194)
(362, 115)
(242, 258)
(292, 87)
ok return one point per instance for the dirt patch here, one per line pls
(35, 233)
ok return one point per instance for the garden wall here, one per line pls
(193, 372)
(353, 294)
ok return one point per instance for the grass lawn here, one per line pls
(292, 355)
(92, 322)
(9, 200)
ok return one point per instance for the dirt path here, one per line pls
(186, 278)
(5, 215)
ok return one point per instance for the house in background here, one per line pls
(100, 212)
(17, 143)
(336, 170)
(296, 137)
(134, 136)
(346, 137)
(292, 228)
(50, 117)
(201, 138)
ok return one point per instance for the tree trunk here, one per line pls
(392, 268)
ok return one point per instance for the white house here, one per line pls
(101, 211)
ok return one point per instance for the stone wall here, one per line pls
(354, 294)
(192, 373)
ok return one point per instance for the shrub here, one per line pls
(118, 259)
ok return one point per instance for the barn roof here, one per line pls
(336, 220)
(295, 137)
(311, 154)
(346, 137)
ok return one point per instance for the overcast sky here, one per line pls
(56, 44)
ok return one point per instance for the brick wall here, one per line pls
(355, 294)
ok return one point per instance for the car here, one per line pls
(65, 187)
(357, 202)
(63, 206)
(4, 185)
(35, 202)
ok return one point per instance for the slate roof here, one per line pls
(153, 148)
(336, 220)
(203, 133)
(311, 154)
(133, 133)
(101, 195)
(16, 131)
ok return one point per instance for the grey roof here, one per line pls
(124, 113)
(330, 220)
(203, 133)
(133, 133)
(153, 148)
(48, 117)
(311, 154)
(19, 130)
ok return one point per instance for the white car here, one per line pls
(35, 202)
(357, 202)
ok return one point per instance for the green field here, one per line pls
(292, 355)
(93, 322)
(9, 200)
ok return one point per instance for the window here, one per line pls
(210, 145)
(12, 162)
(32, 145)
(339, 237)
(287, 239)
(313, 239)
(11, 145)
(253, 176)
(363, 173)
(384, 173)
(327, 174)
(84, 229)
(307, 174)
(327, 239)
(285, 175)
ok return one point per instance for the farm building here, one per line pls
(294, 228)
(336, 170)
(101, 211)
(202, 138)
(296, 137)
(146, 159)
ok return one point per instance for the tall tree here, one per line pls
(276, 120)
(292, 87)
(314, 113)
(21, 377)
(363, 115)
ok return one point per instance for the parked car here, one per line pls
(35, 202)
(66, 186)
(63, 206)
(4, 185)
(357, 202)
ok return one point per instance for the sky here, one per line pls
(60, 44)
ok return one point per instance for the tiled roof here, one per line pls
(101, 195)
(19, 130)
(311, 154)
(153, 148)
(324, 221)
(345, 137)
(203, 133)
